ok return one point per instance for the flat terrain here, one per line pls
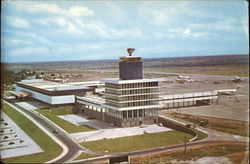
(139, 142)
(207, 74)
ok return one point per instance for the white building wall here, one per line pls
(63, 99)
(49, 99)
(36, 95)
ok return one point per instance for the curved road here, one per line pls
(73, 147)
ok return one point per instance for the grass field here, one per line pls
(139, 142)
(228, 128)
(208, 151)
(51, 149)
(85, 156)
(67, 126)
(200, 134)
(232, 70)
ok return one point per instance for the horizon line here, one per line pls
(117, 59)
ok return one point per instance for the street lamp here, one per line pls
(185, 144)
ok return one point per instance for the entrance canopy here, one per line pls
(19, 94)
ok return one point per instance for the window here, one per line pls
(129, 114)
(140, 112)
(124, 114)
(143, 112)
(135, 113)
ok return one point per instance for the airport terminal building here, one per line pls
(53, 93)
(128, 101)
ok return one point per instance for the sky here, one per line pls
(60, 30)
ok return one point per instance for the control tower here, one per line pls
(130, 67)
(131, 100)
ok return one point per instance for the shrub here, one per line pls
(5, 137)
(2, 119)
(1, 131)
(11, 143)
(21, 141)
(6, 123)
(15, 136)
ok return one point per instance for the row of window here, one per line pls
(132, 113)
(131, 104)
(130, 92)
(136, 113)
(130, 98)
(131, 85)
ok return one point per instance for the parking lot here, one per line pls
(14, 141)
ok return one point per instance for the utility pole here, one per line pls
(185, 144)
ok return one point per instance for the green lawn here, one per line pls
(85, 156)
(139, 142)
(67, 126)
(51, 149)
(200, 134)
(209, 151)
(228, 128)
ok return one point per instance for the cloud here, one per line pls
(186, 33)
(31, 36)
(12, 42)
(79, 11)
(79, 48)
(29, 51)
(71, 26)
(162, 14)
(18, 22)
(73, 11)
(99, 28)
(60, 21)
(42, 7)
(72, 30)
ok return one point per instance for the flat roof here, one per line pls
(56, 86)
(118, 81)
(189, 95)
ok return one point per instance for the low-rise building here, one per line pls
(54, 93)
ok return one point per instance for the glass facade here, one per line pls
(132, 114)
(132, 95)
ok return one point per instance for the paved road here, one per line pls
(155, 150)
(72, 146)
